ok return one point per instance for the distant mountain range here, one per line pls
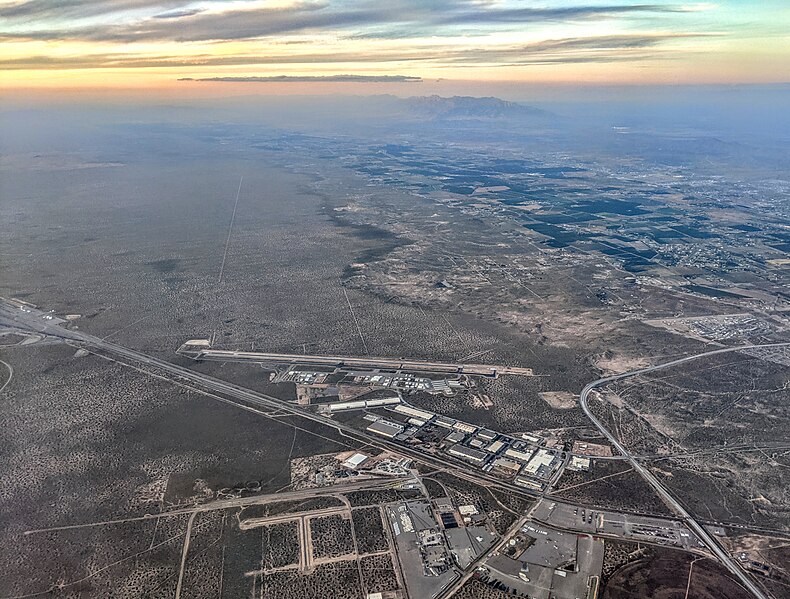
(389, 114)
(455, 108)
(438, 108)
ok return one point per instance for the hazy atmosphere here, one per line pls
(394, 300)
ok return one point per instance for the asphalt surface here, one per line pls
(488, 370)
(33, 320)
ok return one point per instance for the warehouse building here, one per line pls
(455, 437)
(361, 404)
(505, 467)
(463, 426)
(486, 434)
(541, 465)
(414, 412)
(495, 447)
(385, 428)
(519, 455)
(444, 422)
(468, 454)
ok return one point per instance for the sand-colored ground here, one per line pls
(560, 400)
(617, 363)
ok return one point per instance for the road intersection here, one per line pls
(30, 320)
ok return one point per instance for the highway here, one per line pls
(35, 321)
(648, 476)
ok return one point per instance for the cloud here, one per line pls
(565, 13)
(577, 50)
(177, 14)
(612, 41)
(286, 34)
(610, 48)
(321, 78)
(33, 10)
(398, 18)
(209, 26)
(124, 60)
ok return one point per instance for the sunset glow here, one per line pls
(153, 43)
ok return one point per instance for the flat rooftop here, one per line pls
(385, 428)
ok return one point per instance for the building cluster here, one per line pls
(415, 520)
(361, 404)
(436, 540)
(403, 381)
(524, 461)
(728, 326)
(328, 469)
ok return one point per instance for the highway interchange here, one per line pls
(29, 320)
(650, 478)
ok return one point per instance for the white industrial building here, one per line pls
(495, 447)
(363, 404)
(464, 427)
(519, 455)
(414, 412)
(542, 459)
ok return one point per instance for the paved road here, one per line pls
(10, 375)
(249, 523)
(13, 317)
(338, 490)
(650, 478)
(456, 585)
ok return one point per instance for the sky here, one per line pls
(388, 45)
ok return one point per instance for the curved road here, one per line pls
(10, 315)
(10, 374)
(650, 478)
